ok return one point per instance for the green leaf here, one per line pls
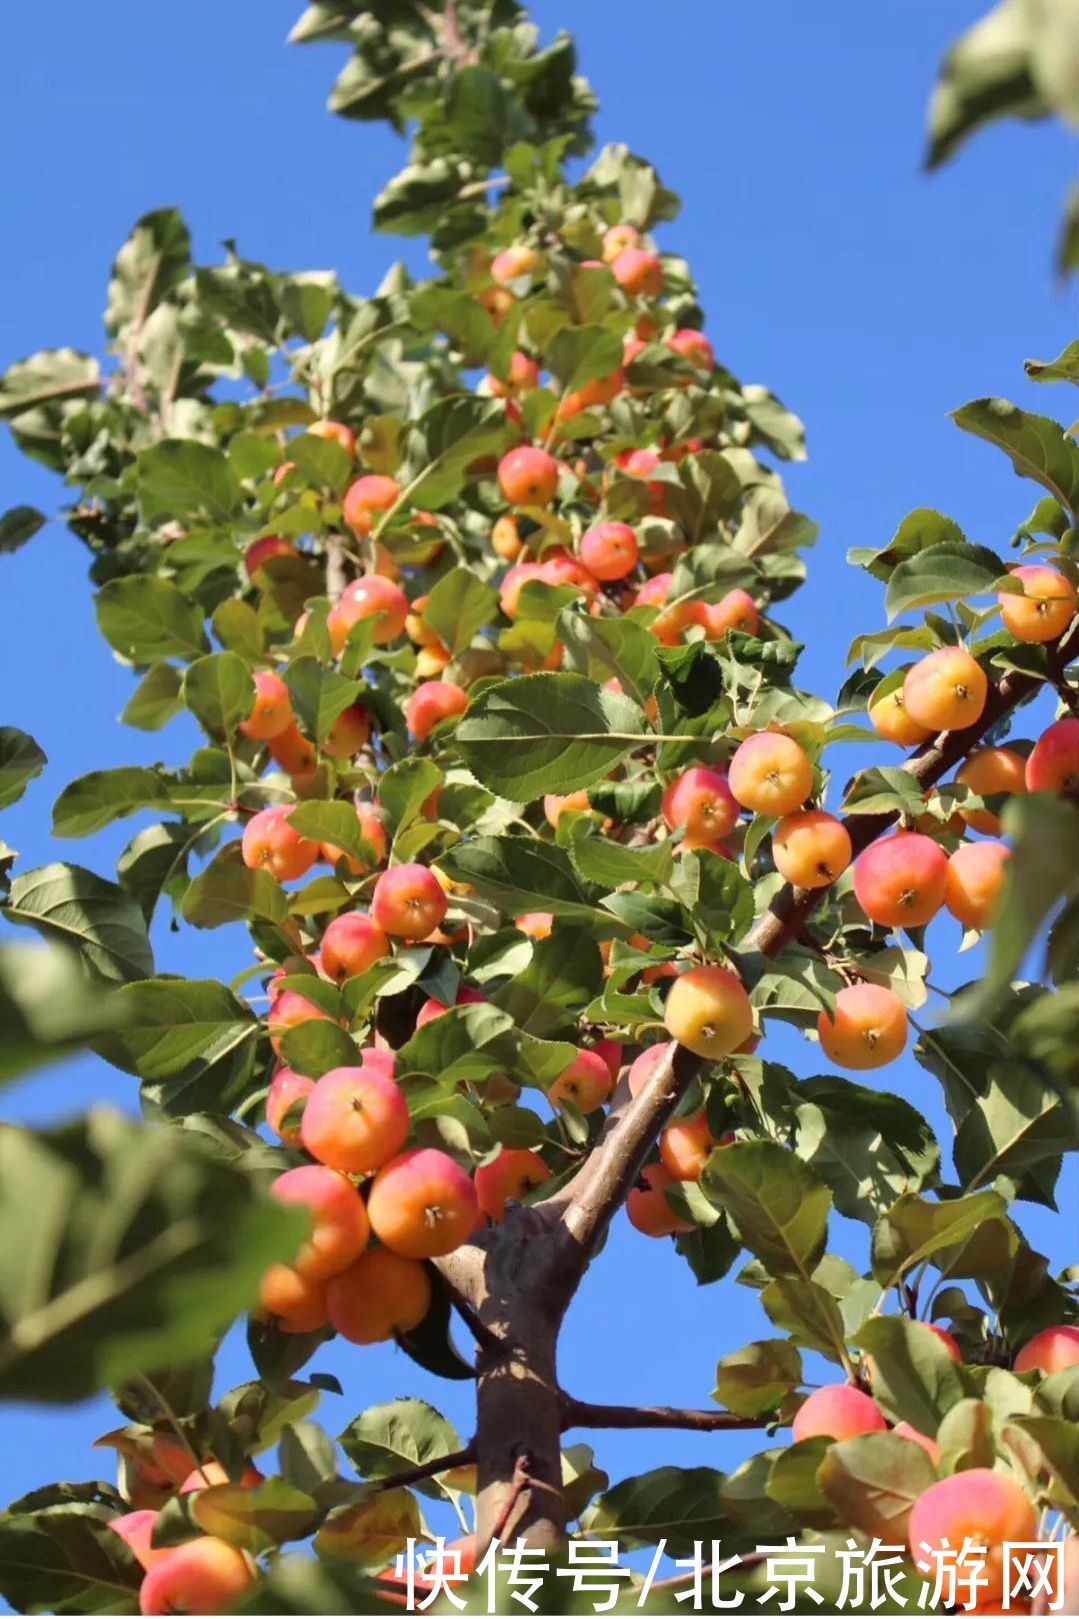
(874, 1480)
(965, 1437)
(20, 761)
(66, 1559)
(228, 892)
(237, 627)
(152, 262)
(253, 1517)
(144, 618)
(601, 860)
(183, 478)
(918, 531)
(404, 789)
(565, 972)
(777, 1202)
(74, 907)
(170, 1024)
(18, 525)
(882, 789)
(219, 691)
(519, 874)
(1065, 368)
(45, 378)
(306, 302)
(947, 572)
(915, 1379)
(104, 796)
(452, 1048)
(1037, 447)
(318, 695)
(772, 423)
(156, 699)
(143, 1245)
(546, 733)
(602, 648)
(387, 1439)
(580, 354)
(809, 1313)
(330, 821)
(1018, 1122)
(985, 75)
(793, 1483)
(681, 1504)
(449, 436)
(458, 605)
(914, 1229)
(47, 1007)
(869, 1146)
(371, 1533)
(1052, 1445)
(755, 1379)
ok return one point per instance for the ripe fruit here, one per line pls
(430, 704)
(505, 540)
(375, 597)
(355, 1120)
(617, 239)
(868, 1030)
(555, 805)
(693, 346)
(647, 1207)
(945, 690)
(976, 1505)
(272, 711)
(1044, 610)
(288, 1011)
(735, 611)
(514, 1172)
(811, 849)
(518, 260)
(611, 1052)
(261, 551)
(408, 902)
(336, 432)
(837, 1411)
(206, 1575)
(340, 1232)
(422, 1204)
(535, 924)
(350, 945)
(136, 1528)
(586, 1083)
(990, 771)
(685, 1146)
(609, 550)
(770, 774)
(708, 1011)
(523, 374)
(348, 733)
(899, 881)
(377, 1296)
(432, 1009)
(528, 476)
(638, 272)
(370, 494)
(974, 881)
(292, 751)
(269, 841)
(643, 1067)
(700, 799)
(1052, 1350)
(1053, 766)
(889, 718)
(295, 1303)
(287, 1090)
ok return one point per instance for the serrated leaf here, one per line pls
(457, 605)
(874, 1480)
(228, 892)
(946, 572)
(104, 796)
(182, 478)
(915, 1229)
(156, 699)
(679, 1504)
(755, 1379)
(1037, 447)
(915, 1379)
(778, 1204)
(546, 733)
(66, 1559)
(144, 618)
(74, 907)
(387, 1439)
(20, 761)
(219, 691)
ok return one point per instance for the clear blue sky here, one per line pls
(871, 298)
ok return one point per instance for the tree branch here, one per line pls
(463, 1278)
(583, 1414)
(431, 1469)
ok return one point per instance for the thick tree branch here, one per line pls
(583, 1414)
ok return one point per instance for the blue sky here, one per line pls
(872, 298)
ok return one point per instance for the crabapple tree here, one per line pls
(478, 590)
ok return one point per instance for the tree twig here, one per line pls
(431, 1469)
(584, 1414)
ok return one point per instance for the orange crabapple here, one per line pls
(987, 772)
(889, 718)
(735, 611)
(350, 945)
(272, 710)
(516, 261)
(701, 801)
(269, 841)
(1055, 1349)
(336, 432)
(899, 881)
(263, 550)
(1053, 765)
(837, 1411)
(422, 1204)
(691, 345)
(430, 704)
(292, 751)
(355, 1120)
(367, 498)
(287, 1090)
(528, 476)
(974, 882)
(556, 804)
(686, 1145)
(638, 272)
(515, 1171)
(535, 924)
(408, 901)
(340, 1231)
(977, 1505)
(708, 1011)
(619, 239)
(647, 1208)
(136, 1529)
(586, 1082)
(289, 1010)
(811, 848)
(204, 1576)
(1044, 610)
(609, 550)
(380, 1294)
(867, 1029)
(946, 690)
(432, 1009)
(372, 832)
(770, 774)
(375, 597)
(292, 1301)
